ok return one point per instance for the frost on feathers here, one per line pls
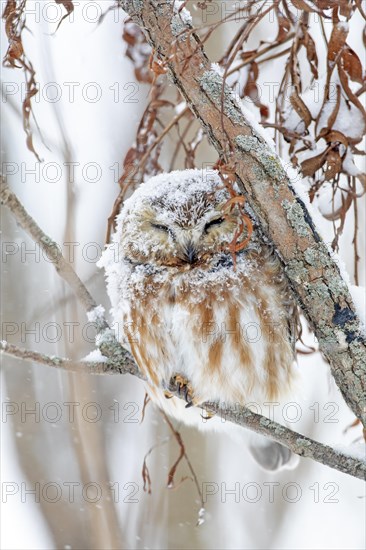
(182, 194)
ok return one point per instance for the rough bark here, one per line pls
(280, 213)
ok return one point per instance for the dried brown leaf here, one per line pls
(336, 43)
(333, 136)
(15, 51)
(14, 15)
(251, 90)
(284, 26)
(310, 165)
(314, 7)
(351, 64)
(311, 54)
(346, 8)
(300, 107)
(334, 165)
(303, 6)
(354, 99)
(333, 116)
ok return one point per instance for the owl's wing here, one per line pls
(287, 298)
(294, 325)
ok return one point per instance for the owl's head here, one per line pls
(177, 219)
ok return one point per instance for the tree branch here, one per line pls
(52, 250)
(120, 360)
(89, 367)
(299, 444)
(281, 214)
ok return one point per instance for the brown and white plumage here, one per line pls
(183, 308)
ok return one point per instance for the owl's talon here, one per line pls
(181, 386)
(209, 415)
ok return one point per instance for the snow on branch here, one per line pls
(282, 215)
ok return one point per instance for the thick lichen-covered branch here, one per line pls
(299, 444)
(280, 213)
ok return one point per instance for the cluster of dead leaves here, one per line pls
(330, 122)
(14, 15)
(15, 57)
(138, 50)
(322, 135)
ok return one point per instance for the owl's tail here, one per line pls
(272, 456)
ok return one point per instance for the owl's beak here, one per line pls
(190, 253)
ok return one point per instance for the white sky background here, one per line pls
(101, 133)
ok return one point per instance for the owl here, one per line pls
(198, 315)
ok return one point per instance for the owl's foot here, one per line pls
(179, 385)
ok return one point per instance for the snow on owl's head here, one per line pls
(176, 219)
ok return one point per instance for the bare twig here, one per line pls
(120, 359)
(183, 453)
(51, 249)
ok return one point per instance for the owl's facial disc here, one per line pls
(172, 239)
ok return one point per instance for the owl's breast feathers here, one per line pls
(226, 330)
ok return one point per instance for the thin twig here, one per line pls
(119, 358)
(183, 453)
(51, 249)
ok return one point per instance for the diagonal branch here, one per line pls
(52, 250)
(279, 211)
(120, 359)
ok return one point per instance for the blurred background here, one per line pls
(73, 446)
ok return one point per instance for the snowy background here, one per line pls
(74, 481)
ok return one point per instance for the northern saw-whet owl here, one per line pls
(189, 308)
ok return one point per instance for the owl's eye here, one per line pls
(217, 221)
(160, 227)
